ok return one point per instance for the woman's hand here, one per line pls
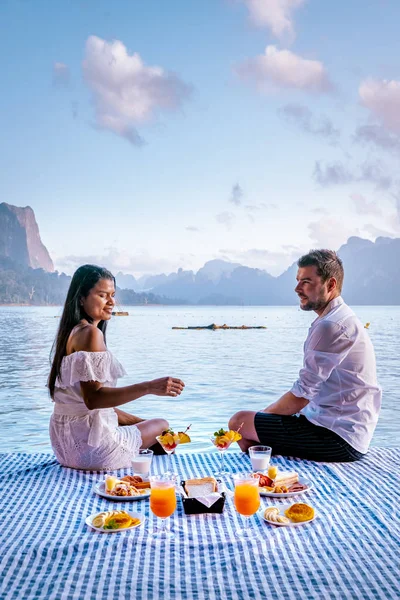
(166, 386)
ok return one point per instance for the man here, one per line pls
(332, 409)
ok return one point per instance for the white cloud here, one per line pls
(303, 117)
(363, 207)
(226, 218)
(382, 98)
(277, 15)
(116, 260)
(330, 233)
(379, 136)
(283, 69)
(339, 174)
(275, 262)
(126, 92)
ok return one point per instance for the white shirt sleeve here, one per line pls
(327, 346)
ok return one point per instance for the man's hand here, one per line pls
(166, 386)
(288, 404)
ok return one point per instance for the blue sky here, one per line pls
(149, 136)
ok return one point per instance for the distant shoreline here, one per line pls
(190, 305)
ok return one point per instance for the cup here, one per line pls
(162, 503)
(260, 457)
(246, 499)
(141, 462)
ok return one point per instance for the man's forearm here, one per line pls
(288, 404)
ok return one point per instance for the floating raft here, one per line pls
(213, 327)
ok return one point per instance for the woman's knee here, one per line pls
(160, 425)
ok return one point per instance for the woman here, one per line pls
(87, 430)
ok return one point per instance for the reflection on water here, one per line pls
(224, 371)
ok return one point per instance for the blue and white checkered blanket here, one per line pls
(351, 550)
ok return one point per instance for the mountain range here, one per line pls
(27, 274)
(371, 277)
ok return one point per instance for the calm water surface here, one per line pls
(224, 371)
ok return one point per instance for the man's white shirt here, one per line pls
(339, 376)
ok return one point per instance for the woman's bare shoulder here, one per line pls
(88, 338)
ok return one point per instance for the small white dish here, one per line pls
(309, 485)
(100, 489)
(282, 512)
(134, 515)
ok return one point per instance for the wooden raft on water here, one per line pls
(213, 327)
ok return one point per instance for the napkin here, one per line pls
(209, 499)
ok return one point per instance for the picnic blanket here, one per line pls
(351, 550)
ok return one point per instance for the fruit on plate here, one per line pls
(265, 482)
(110, 482)
(119, 519)
(272, 514)
(99, 519)
(224, 438)
(272, 472)
(300, 512)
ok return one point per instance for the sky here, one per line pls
(151, 136)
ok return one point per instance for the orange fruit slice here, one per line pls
(183, 438)
(233, 436)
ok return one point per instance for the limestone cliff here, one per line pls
(20, 238)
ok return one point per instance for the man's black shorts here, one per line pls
(296, 436)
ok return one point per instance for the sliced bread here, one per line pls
(200, 487)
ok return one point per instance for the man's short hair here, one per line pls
(328, 265)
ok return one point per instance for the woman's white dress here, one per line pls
(83, 438)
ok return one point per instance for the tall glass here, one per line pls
(162, 503)
(169, 449)
(221, 449)
(260, 457)
(247, 500)
(141, 462)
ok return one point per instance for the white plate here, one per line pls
(134, 515)
(100, 489)
(288, 494)
(282, 512)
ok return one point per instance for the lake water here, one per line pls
(224, 371)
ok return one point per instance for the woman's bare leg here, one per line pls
(151, 428)
(248, 431)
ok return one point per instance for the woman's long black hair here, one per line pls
(83, 280)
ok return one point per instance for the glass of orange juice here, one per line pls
(162, 503)
(247, 499)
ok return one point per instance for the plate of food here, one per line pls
(283, 484)
(129, 488)
(288, 515)
(113, 521)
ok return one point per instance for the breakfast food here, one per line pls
(280, 482)
(136, 481)
(224, 438)
(110, 482)
(200, 487)
(272, 514)
(286, 478)
(272, 472)
(115, 519)
(127, 486)
(169, 439)
(300, 512)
